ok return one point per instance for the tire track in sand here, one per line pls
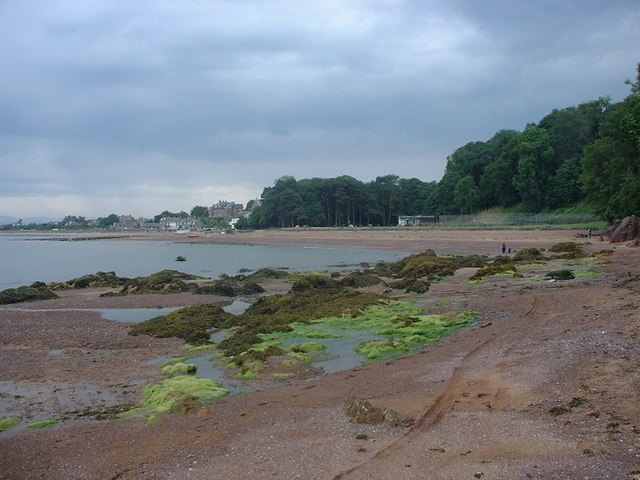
(463, 374)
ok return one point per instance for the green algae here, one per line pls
(42, 423)
(172, 394)
(282, 376)
(179, 368)
(198, 348)
(586, 274)
(9, 422)
(403, 325)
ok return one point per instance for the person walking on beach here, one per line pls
(504, 248)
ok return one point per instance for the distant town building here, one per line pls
(225, 209)
(418, 220)
(128, 222)
(177, 223)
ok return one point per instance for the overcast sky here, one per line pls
(134, 107)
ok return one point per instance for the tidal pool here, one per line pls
(128, 315)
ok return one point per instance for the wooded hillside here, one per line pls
(589, 153)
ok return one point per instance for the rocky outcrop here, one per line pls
(626, 230)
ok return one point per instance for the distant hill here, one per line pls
(4, 220)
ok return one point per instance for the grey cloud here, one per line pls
(270, 88)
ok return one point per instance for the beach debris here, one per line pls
(363, 411)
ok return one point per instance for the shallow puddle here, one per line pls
(237, 307)
(128, 315)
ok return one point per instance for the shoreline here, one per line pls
(407, 239)
(481, 399)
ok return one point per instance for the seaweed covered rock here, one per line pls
(427, 264)
(192, 324)
(561, 275)
(230, 287)
(313, 298)
(564, 247)
(358, 279)
(494, 269)
(412, 285)
(30, 293)
(240, 342)
(315, 283)
(528, 255)
(94, 280)
(569, 250)
(165, 281)
(267, 273)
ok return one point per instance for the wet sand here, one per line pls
(481, 399)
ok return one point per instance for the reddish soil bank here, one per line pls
(481, 400)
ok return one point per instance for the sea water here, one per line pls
(24, 260)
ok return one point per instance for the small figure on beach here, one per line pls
(504, 248)
(589, 233)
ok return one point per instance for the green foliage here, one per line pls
(108, 221)
(590, 150)
(534, 167)
(31, 293)
(611, 164)
(200, 212)
(466, 195)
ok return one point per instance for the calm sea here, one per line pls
(24, 260)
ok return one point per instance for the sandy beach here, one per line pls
(481, 400)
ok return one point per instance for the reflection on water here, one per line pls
(23, 261)
(129, 315)
(237, 307)
(339, 355)
(134, 315)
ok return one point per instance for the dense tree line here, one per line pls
(589, 153)
(339, 201)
